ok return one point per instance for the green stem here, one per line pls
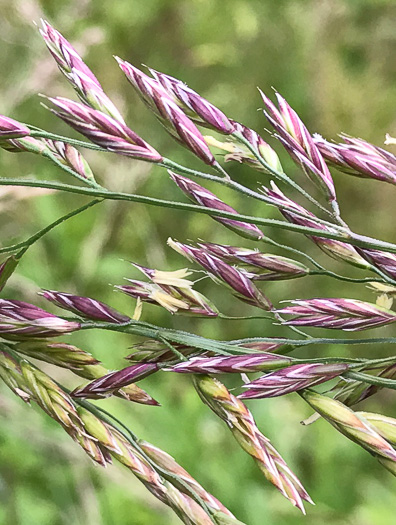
(151, 331)
(40, 133)
(372, 380)
(354, 239)
(229, 183)
(23, 246)
(71, 172)
(168, 164)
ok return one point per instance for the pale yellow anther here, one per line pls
(226, 146)
(384, 301)
(138, 310)
(383, 288)
(176, 278)
(167, 301)
(389, 140)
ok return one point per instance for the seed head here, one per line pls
(299, 143)
(12, 129)
(341, 314)
(105, 386)
(19, 320)
(358, 157)
(168, 112)
(85, 307)
(194, 106)
(103, 130)
(241, 286)
(232, 364)
(335, 249)
(291, 379)
(85, 83)
(259, 266)
(206, 198)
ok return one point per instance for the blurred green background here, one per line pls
(334, 61)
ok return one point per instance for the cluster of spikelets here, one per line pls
(26, 331)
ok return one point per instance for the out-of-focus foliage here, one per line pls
(334, 61)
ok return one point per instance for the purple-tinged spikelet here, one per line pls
(104, 130)
(240, 421)
(168, 112)
(259, 266)
(12, 129)
(359, 158)
(335, 249)
(82, 79)
(19, 320)
(85, 307)
(171, 291)
(196, 107)
(341, 314)
(206, 198)
(240, 284)
(299, 143)
(351, 424)
(384, 261)
(232, 364)
(106, 385)
(291, 379)
(71, 157)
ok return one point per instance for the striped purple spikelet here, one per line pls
(206, 198)
(292, 379)
(335, 249)
(85, 307)
(299, 143)
(359, 158)
(241, 286)
(386, 262)
(232, 364)
(12, 129)
(168, 112)
(85, 83)
(105, 386)
(259, 266)
(19, 320)
(103, 130)
(339, 314)
(198, 109)
(80, 363)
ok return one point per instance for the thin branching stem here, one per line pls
(350, 238)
